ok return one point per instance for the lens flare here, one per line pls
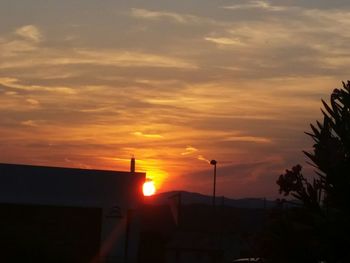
(148, 188)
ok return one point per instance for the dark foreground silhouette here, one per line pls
(319, 229)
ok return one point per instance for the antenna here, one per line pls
(132, 164)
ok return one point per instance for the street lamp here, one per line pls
(213, 162)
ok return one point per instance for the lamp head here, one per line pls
(213, 162)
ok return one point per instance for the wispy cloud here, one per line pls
(173, 17)
(145, 135)
(29, 32)
(155, 15)
(9, 48)
(120, 58)
(202, 158)
(125, 160)
(224, 40)
(16, 84)
(126, 59)
(252, 139)
(23, 39)
(30, 123)
(33, 101)
(256, 5)
(189, 150)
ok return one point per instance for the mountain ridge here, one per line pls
(189, 198)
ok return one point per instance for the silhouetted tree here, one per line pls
(319, 229)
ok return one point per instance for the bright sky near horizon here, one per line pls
(89, 83)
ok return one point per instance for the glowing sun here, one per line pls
(148, 188)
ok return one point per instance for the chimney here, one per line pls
(132, 165)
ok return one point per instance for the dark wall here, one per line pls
(37, 233)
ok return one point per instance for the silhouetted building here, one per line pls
(51, 214)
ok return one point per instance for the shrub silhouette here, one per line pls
(319, 229)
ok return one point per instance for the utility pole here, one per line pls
(213, 162)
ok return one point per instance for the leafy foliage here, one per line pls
(318, 230)
(331, 158)
(294, 183)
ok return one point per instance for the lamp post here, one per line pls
(213, 162)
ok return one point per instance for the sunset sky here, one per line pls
(89, 83)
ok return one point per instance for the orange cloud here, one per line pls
(153, 136)
(189, 150)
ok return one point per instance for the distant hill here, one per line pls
(189, 198)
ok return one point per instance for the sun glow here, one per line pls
(148, 188)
